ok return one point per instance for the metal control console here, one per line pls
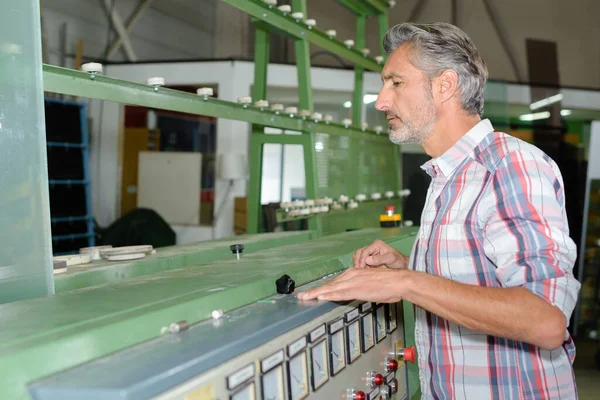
(279, 348)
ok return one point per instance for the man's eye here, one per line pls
(396, 84)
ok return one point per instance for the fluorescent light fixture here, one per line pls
(546, 102)
(319, 146)
(535, 116)
(369, 98)
(564, 113)
(348, 104)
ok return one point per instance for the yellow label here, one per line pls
(203, 393)
(399, 347)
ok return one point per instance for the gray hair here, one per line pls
(440, 46)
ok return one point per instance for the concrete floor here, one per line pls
(587, 375)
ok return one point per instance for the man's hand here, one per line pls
(375, 285)
(379, 254)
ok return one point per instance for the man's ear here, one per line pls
(447, 85)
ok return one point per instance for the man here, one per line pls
(490, 273)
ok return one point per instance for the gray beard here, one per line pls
(408, 133)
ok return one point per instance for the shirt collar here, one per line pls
(447, 162)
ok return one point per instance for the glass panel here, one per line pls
(25, 257)
(294, 177)
(271, 174)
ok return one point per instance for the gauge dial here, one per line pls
(380, 324)
(247, 393)
(338, 351)
(318, 356)
(298, 377)
(353, 341)
(272, 384)
(393, 321)
(368, 336)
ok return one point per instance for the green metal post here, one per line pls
(357, 106)
(302, 49)
(383, 28)
(261, 62)
(254, 186)
(310, 173)
(259, 92)
(361, 27)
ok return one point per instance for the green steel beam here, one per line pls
(383, 24)
(255, 164)
(366, 7)
(299, 30)
(261, 64)
(357, 103)
(311, 179)
(77, 83)
(356, 7)
(382, 6)
(302, 49)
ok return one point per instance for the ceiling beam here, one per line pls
(133, 18)
(117, 23)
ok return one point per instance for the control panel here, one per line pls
(278, 348)
(355, 352)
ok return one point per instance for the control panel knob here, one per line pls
(374, 379)
(353, 394)
(408, 354)
(237, 249)
(391, 365)
(285, 285)
(394, 386)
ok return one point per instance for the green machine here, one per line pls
(196, 321)
(210, 329)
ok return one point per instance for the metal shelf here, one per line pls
(81, 84)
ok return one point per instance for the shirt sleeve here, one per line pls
(526, 230)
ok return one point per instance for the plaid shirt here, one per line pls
(494, 217)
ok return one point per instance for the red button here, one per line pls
(395, 386)
(378, 380)
(392, 365)
(390, 208)
(410, 354)
(360, 395)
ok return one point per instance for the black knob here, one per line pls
(236, 248)
(285, 285)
